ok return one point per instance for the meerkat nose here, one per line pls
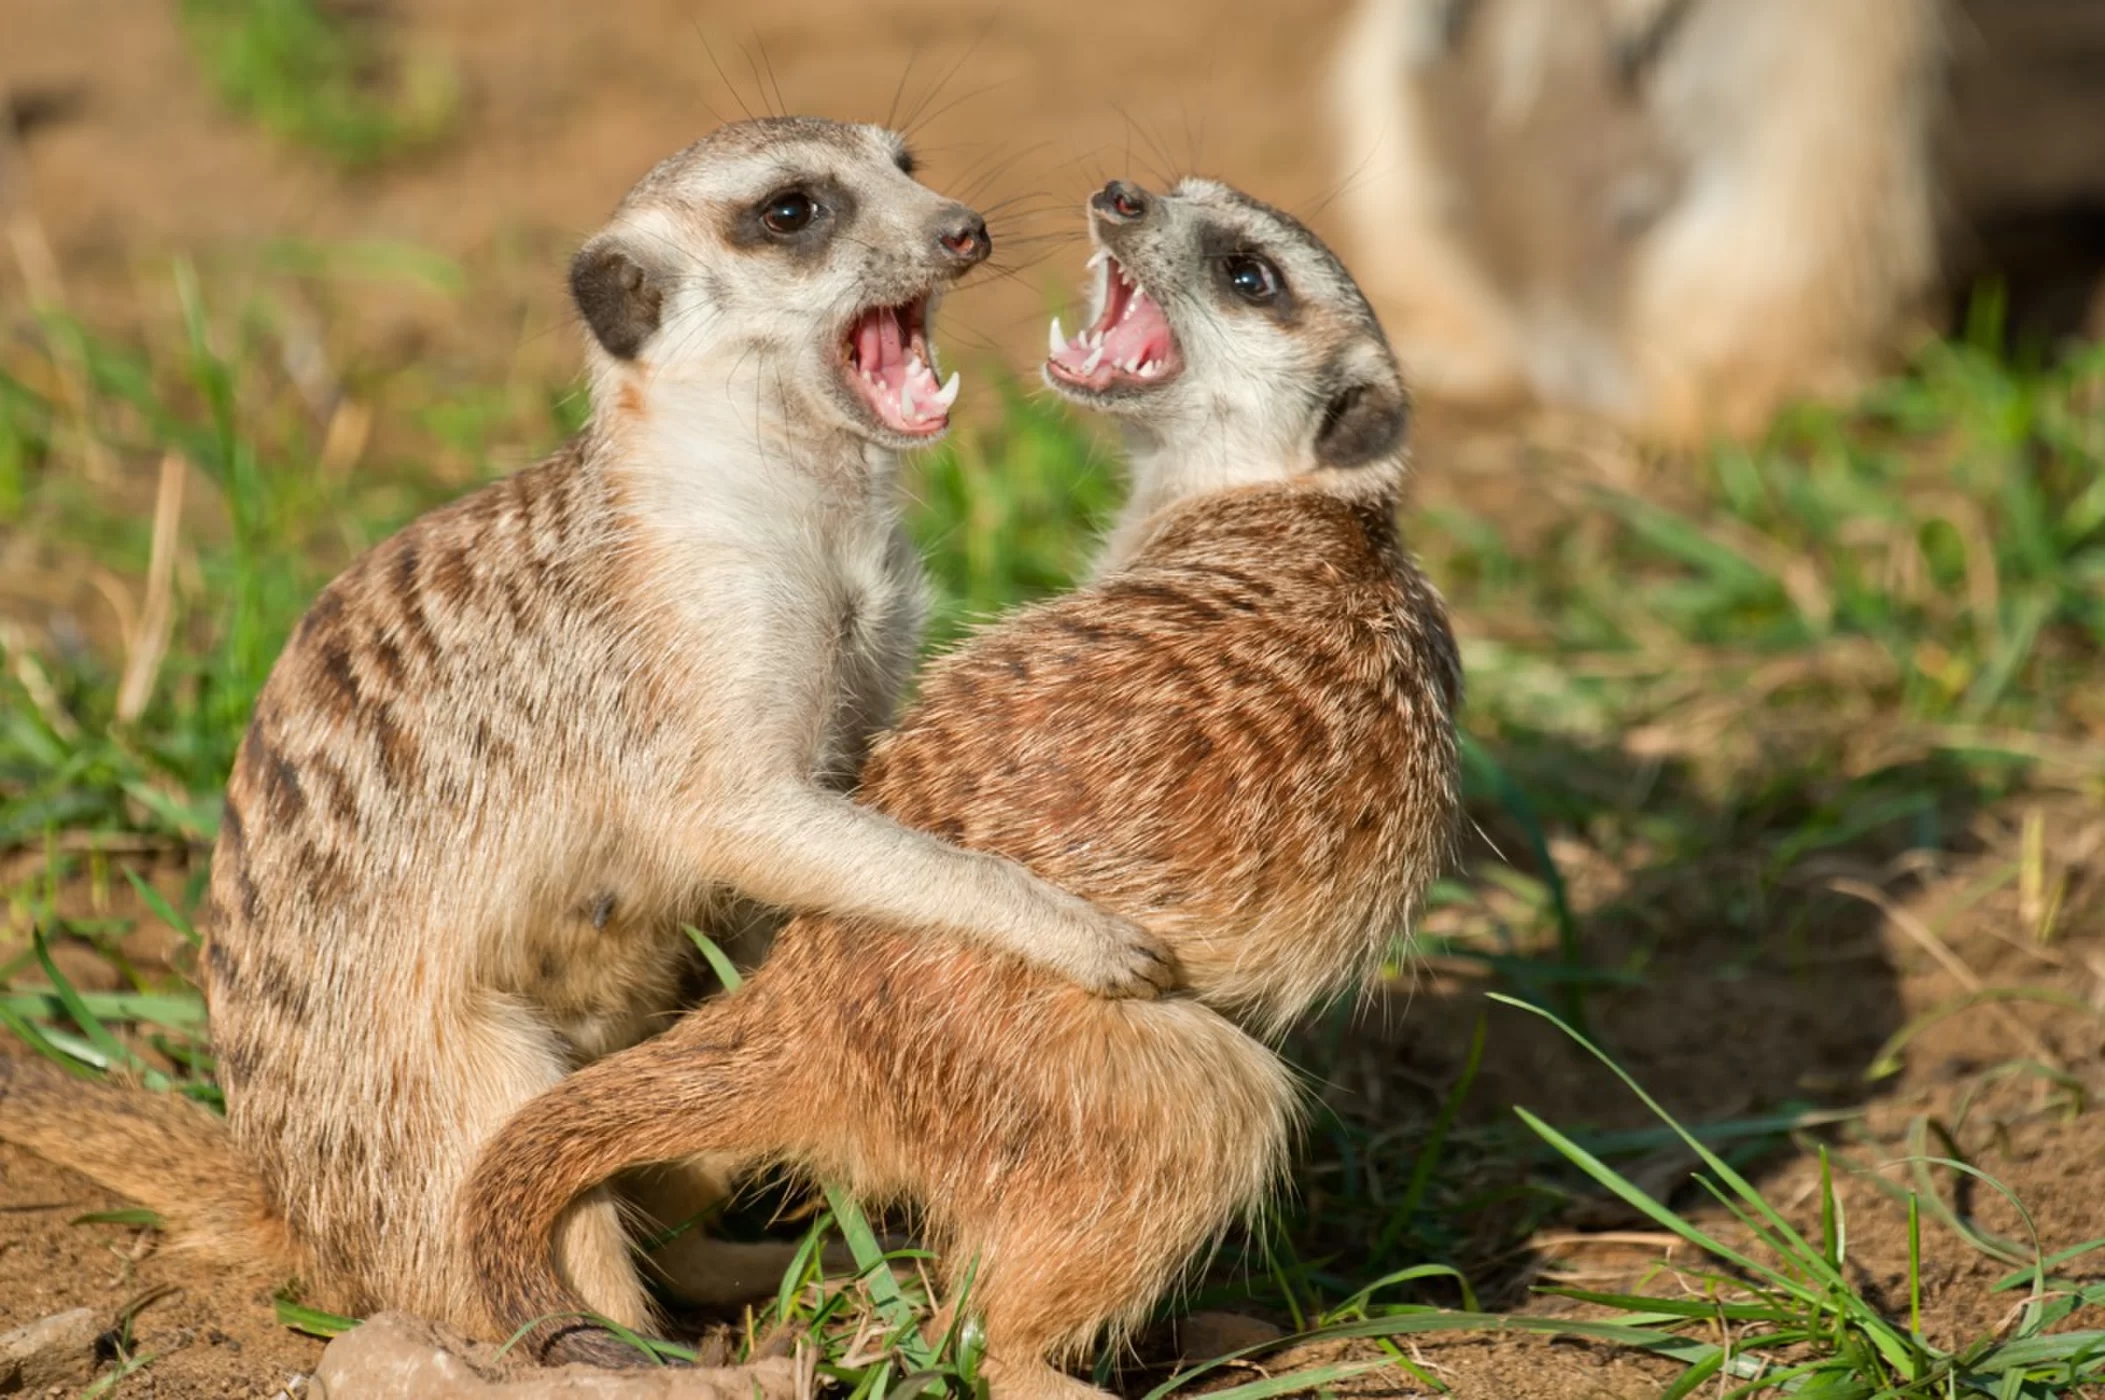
(963, 237)
(1122, 201)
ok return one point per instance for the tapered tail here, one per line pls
(170, 1155)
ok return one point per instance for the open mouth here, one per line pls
(887, 362)
(1130, 341)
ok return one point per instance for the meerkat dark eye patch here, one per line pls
(619, 298)
(799, 217)
(1251, 277)
(1362, 422)
(1245, 275)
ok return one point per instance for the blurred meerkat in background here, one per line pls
(1678, 213)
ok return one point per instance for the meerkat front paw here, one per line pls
(1119, 958)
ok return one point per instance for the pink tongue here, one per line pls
(1141, 334)
(869, 341)
(888, 340)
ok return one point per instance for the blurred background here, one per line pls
(1761, 455)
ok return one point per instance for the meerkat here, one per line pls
(512, 750)
(1241, 734)
(1679, 213)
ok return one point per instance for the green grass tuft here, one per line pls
(308, 73)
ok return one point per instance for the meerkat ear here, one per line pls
(619, 297)
(1363, 419)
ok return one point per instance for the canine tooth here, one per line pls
(1055, 342)
(906, 397)
(1098, 258)
(1095, 357)
(947, 395)
(1148, 370)
(1131, 365)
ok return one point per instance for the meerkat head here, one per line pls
(1234, 346)
(798, 252)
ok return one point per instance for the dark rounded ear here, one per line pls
(1363, 422)
(619, 298)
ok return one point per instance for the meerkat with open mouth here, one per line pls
(1242, 734)
(512, 750)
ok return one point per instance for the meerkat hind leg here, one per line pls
(694, 1266)
(506, 1060)
(593, 1250)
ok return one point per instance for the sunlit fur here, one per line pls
(1242, 733)
(510, 751)
(1678, 212)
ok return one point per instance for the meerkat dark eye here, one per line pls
(788, 211)
(1250, 277)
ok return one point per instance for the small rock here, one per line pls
(393, 1356)
(59, 1350)
(1205, 1335)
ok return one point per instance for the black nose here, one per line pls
(1121, 201)
(961, 236)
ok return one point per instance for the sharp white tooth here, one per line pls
(906, 397)
(1146, 371)
(1055, 342)
(947, 395)
(1095, 357)
(1098, 258)
(1129, 365)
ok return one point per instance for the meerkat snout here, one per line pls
(799, 254)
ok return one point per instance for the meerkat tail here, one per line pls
(678, 1096)
(171, 1156)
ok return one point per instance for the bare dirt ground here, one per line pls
(1717, 1029)
(1026, 108)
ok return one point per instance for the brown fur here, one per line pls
(1243, 737)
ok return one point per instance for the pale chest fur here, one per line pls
(790, 593)
(768, 601)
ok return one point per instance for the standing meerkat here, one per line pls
(509, 752)
(1680, 213)
(1241, 733)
